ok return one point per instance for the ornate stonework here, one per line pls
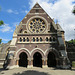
(37, 25)
(37, 41)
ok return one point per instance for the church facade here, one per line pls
(37, 42)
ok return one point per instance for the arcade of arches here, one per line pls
(37, 60)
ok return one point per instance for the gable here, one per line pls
(37, 12)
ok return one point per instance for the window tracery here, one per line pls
(37, 25)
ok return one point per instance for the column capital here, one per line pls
(44, 59)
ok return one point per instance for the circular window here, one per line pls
(37, 25)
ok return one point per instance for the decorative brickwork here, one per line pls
(38, 36)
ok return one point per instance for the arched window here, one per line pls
(54, 39)
(23, 39)
(27, 39)
(25, 31)
(37, 39)
(46, 38)
(50, 38)
(33, 39)
(20, 39)
(40, 39)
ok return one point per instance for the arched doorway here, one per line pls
(51, 60)
(37, 60)
(23, 59)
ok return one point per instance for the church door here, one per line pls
(37, 60)
(23, 59)
(51, 60)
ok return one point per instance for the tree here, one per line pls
(9, 41)
(1, 22)
(72, 41)
(0, 41)
(73, 10)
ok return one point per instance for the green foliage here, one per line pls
(0, 41)
(72, 41)
(73, 63)
(1, 22)
(9, 41)
(73, 10)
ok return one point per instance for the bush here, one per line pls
(73, 64)
(74, 11)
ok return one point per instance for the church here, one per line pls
(37, 42)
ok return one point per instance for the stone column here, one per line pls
(17, 63)
(30, 63)
(57, 62)
(44, 62)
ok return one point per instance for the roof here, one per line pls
(4, 47)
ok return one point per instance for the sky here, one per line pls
(13, 11)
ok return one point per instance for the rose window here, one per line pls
(37, 25)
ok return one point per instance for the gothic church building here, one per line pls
(37, 42)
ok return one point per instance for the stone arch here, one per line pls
(53, 51)
(7, 48)
(37, 59)
(37, 50)
(23, 61)
(23, 50)
(51, 59)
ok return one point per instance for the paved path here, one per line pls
(36, 71)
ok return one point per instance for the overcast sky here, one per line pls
(13, 11)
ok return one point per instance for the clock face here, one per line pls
(37, 25)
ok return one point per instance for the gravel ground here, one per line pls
(36, 71)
